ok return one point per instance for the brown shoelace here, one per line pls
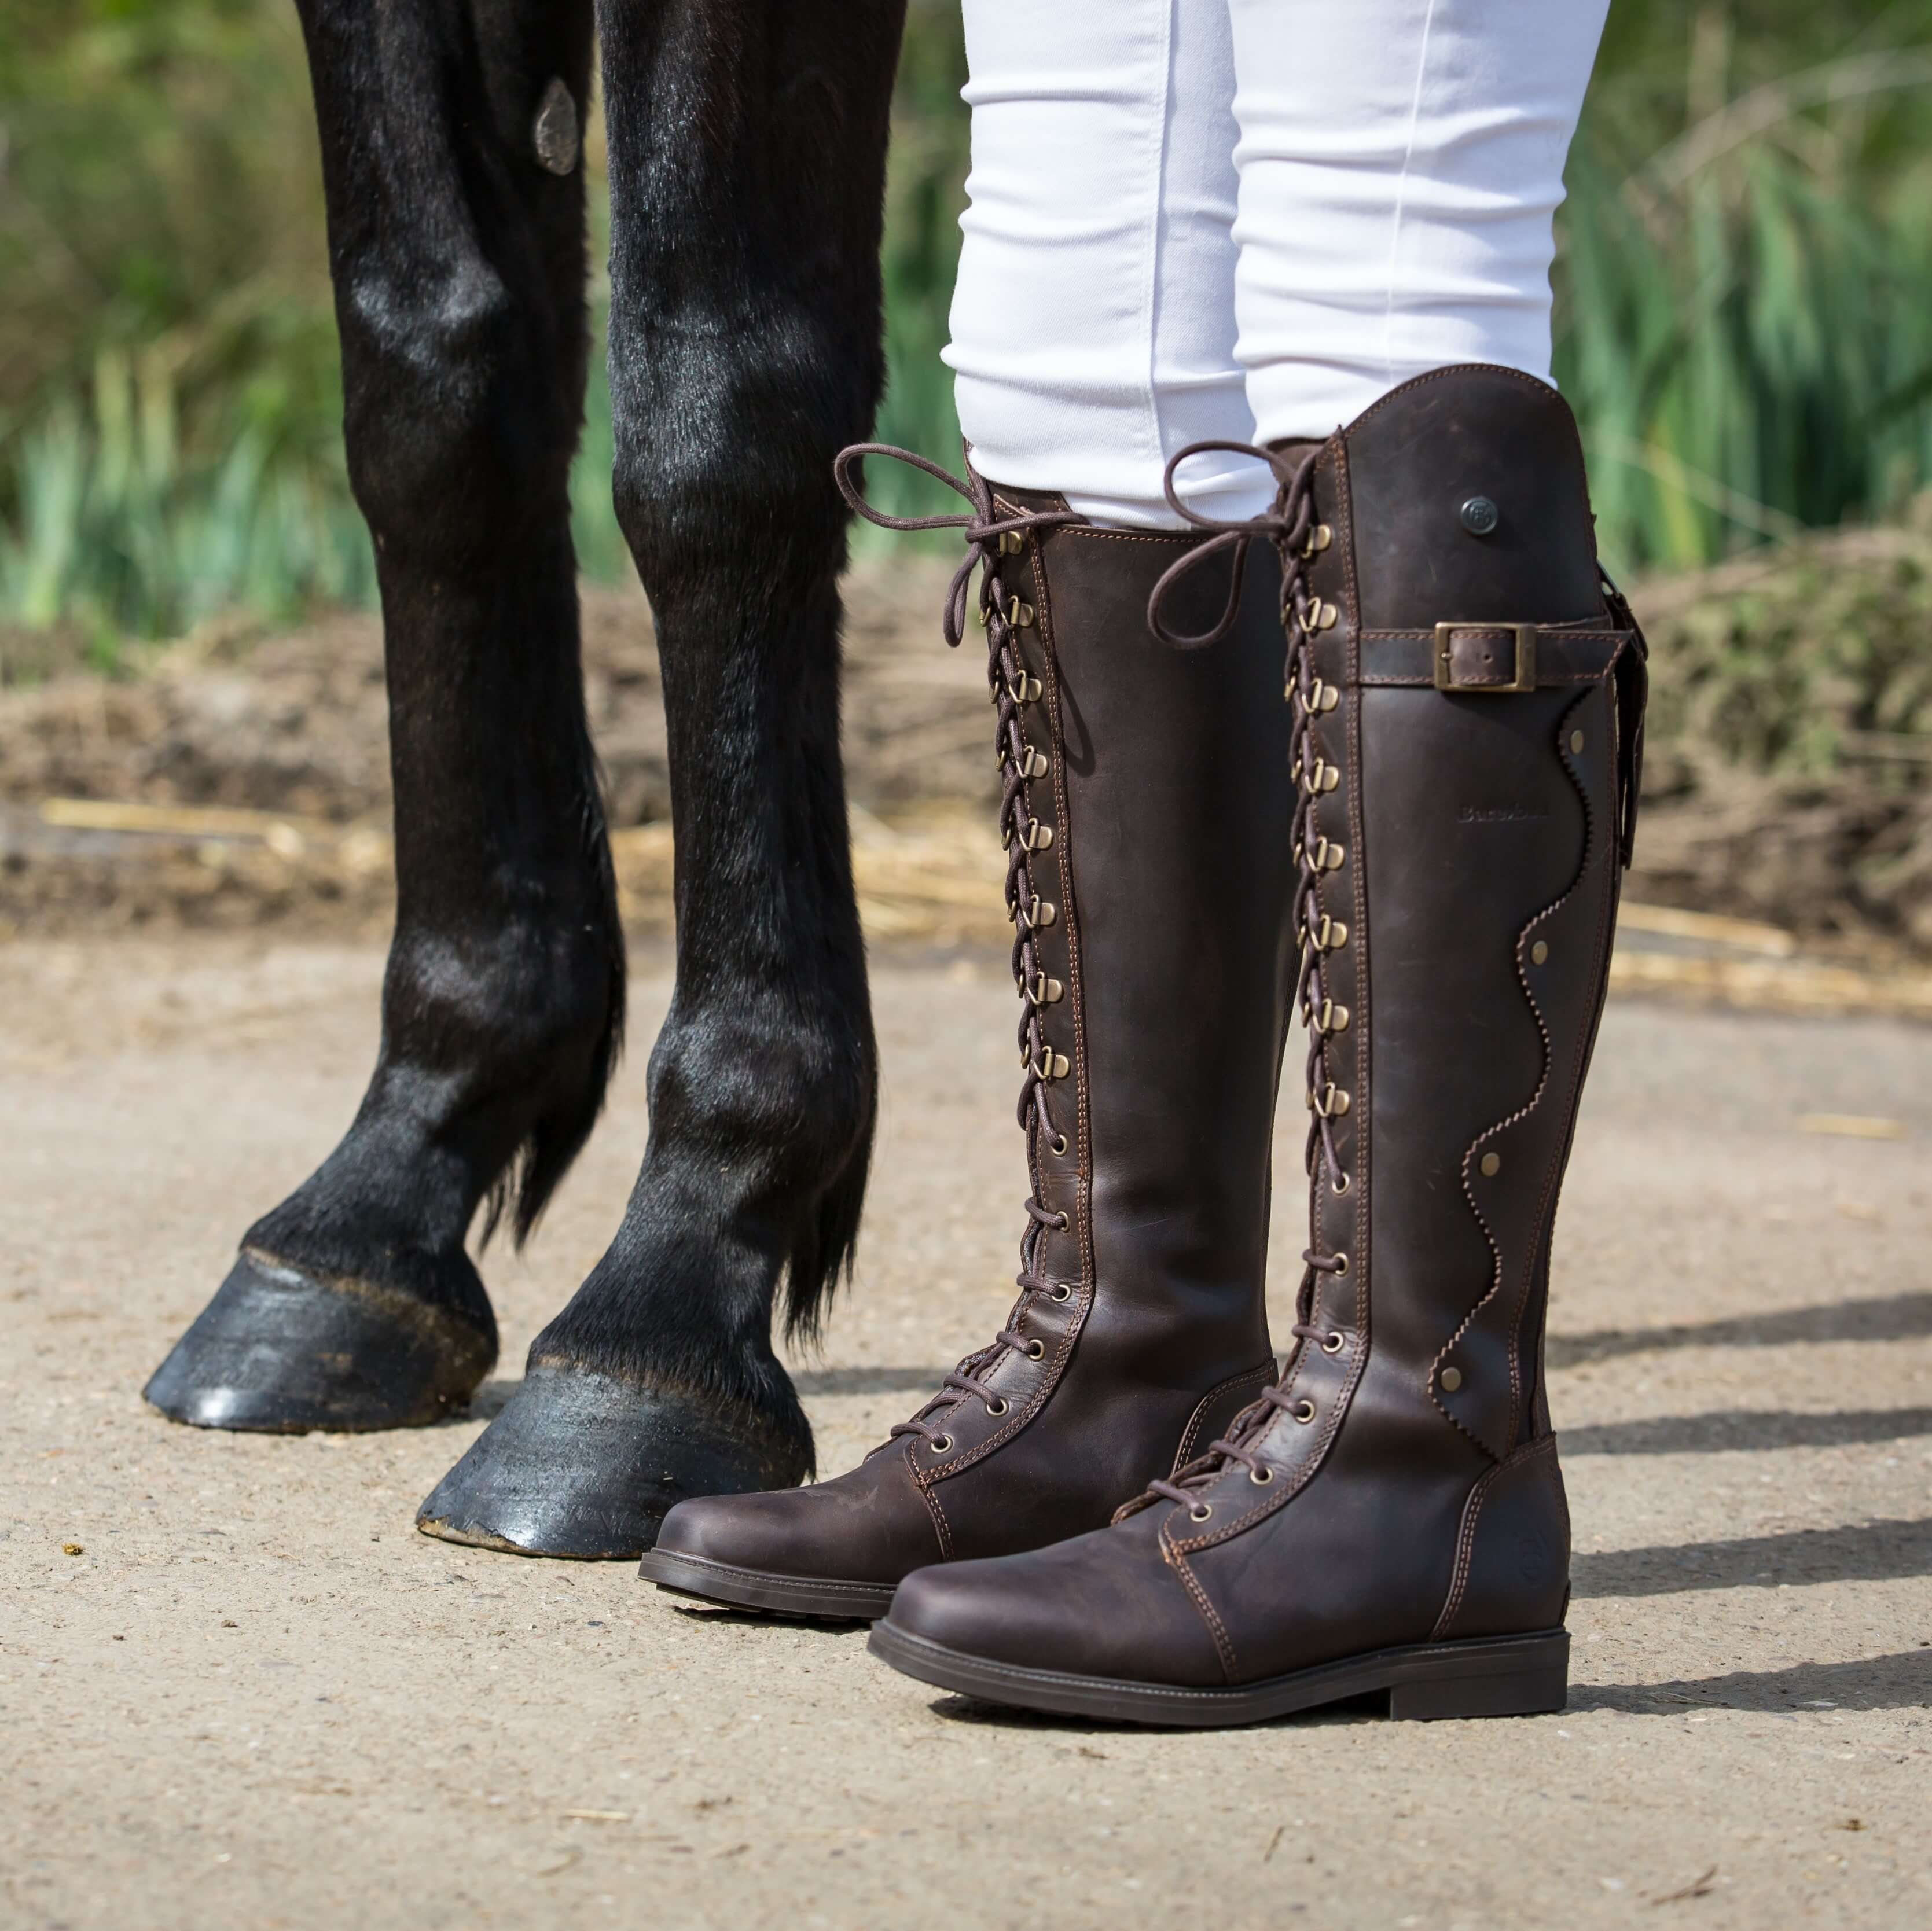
(1290, 525)
(988, 537)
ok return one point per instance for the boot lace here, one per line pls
(1290, 526)
(988, 537)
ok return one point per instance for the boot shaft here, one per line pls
(1167, 794)
(1464, 698)
(1475, 754)
(1145, 792)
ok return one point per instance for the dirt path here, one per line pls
(256, 1698)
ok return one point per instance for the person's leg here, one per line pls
(1466, 694)
(1401, 162)
(1092, 321)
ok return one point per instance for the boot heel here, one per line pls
(1514, 1676)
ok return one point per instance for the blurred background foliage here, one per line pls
(1744, 297)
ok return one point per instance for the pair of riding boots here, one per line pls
(1123, 1507)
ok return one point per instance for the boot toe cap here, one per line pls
(1103, 1605)
(868, 1526)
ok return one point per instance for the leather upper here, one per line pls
(1157, 902)
(1405, 1485)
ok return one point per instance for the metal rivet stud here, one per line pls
(1491, 1164)
(1538, 953)
(1451, 1379)
(1480, 515)
(1576, 741)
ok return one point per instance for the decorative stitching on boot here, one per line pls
(1543, 391)
(1224, 1647)
(925, 1492)
(1465, 1540)
(1299, 1464)
(1522, 1113)
(1076, 979)
(1190, 1434)
(1545, 1212)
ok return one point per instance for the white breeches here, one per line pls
(1248, 219)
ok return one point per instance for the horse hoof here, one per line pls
(584, 1465)
(283, 1351)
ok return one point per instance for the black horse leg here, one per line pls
(457, 242)
(747, 159)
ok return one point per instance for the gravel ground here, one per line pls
(253, 1696)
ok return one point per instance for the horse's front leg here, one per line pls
(747, 146)
(456, 226)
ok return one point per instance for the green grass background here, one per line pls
(1744, 297)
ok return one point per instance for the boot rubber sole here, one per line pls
(824, 1599)
(1485, 1676)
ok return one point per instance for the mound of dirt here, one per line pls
(1789, 763)
(297, 724)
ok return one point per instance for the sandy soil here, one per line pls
(253, 1696)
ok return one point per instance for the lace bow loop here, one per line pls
(1286, 524)
(982, 525)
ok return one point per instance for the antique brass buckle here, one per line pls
(1524, 678)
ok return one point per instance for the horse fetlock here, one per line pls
(786, 1103)
(527, 1003)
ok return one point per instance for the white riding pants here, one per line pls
(1246, 220)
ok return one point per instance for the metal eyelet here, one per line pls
(1035, 1351)
(1063, 1292)
(1341, 1263)
(1334, 1343)
(939, 1443)
(1342, 1187)
(1059, 1143)
(997, 1407)
(1303, 1411)
(1065, 1221)
(1200, 1513)
(1261, 1477)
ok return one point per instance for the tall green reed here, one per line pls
(1744, 301)
(1744, 311)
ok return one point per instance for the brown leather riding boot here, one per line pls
(1467, 692)
(1147, 800)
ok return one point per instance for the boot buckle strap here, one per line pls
(1485, 659)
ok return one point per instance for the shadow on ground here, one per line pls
(1726, 1431)
(1900, 1682)
(1883, 1317)
(1873, 1552)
